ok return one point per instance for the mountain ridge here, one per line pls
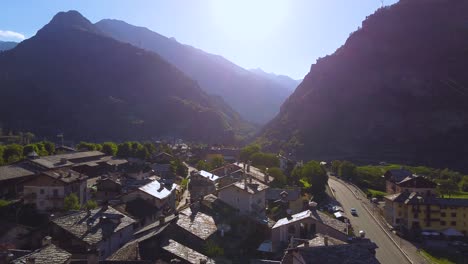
(255, 97)
(92, 87)
(394, 91)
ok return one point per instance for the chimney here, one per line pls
(225, 171)
(250, 179)
(30, 260)
(325, 240)
(46, 241)
(267, 178)
(248, 165)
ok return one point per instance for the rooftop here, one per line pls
(346, 253)
(275, 194)
(63, 160)
(210, 176)
(229, 168)
(65, 175)
(314, 214)
(92, 226)
(413, 198)
(158, 190)
(397, 175)
(184, 252)
(256, 173)
(15, 171)
(251, 187)
(199, 224)
(129, 251)
(50, 254)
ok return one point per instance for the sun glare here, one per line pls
(248, 20)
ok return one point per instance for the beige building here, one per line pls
(246, 195)
(48, 190)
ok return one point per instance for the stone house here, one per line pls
(161, 196)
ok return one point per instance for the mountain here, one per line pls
(282, 80)
(72, 78)
(255, 97)
(7, 45)
(395, 91)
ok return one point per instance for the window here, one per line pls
(55, 193)
(442, 223)
(453, 223)
(454, 214)
(443, 214)
(41, 191)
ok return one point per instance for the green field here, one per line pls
(375, 193)
(460, 195)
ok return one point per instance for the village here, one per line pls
(89, 207)
(82, 206)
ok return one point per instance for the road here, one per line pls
(388, 252)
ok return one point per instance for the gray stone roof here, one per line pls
(129, 251)
(413, 198)
(65, 175)
(63, 160)
(50, 254)
(199, 224)
(275, 194)
(252, 188)
(184, 252)
(347, 253)
(314, 214)
(92, 226)
(15, 171)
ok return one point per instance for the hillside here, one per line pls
(395, 91)
(71, 78)
(7, 45)
(283, 80)
(254, 96)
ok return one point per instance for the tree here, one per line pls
(202, 165)
(30, 148)
(316, 176)
(280, 179)
(447, 187)
(49, 147)
(265, 159)
(13, 153)
(296, 174)
(179, 168)
(71, 202)
(248, 151)
(91, 204)
(347, 170)
(335, 166)
(86, 146)
(2, 149)
(124, 150)
(41, 149)
(217, 162)
(463, 184)
(149, 147)
(110, 148)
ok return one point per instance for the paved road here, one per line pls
(387, 252)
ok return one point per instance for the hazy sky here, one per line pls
(279, 36)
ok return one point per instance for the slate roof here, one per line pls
(15, 171)
(200, 224)
(90, 227)
(50, 254)
(415, 181)
(184, 252)
(55, 161)
(348, 253)
(414, 198)
(129, 251)
(397, 175)
(251, 188)
(229, 168)
(275, 194)
(256, 173)
(65, 175)
(314, 214)
(157, 190)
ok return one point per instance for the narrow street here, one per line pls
(388, 252)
